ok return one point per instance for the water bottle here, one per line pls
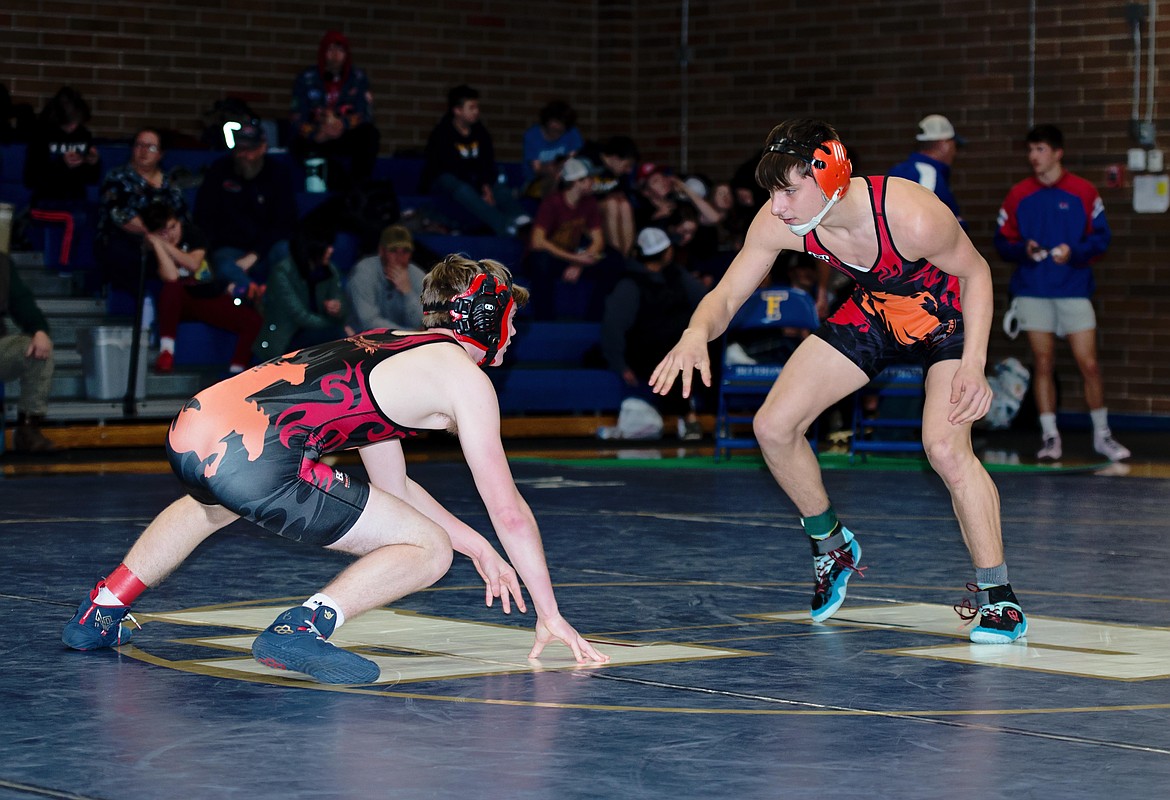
(315, 175)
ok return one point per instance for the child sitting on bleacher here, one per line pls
(189, 291)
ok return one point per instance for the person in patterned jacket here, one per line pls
(253, 446)
(922, 294)
(332, 113)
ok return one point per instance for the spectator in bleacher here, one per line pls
(304, 304)
(644, 316)
(333, 116)
(385, 290)
(460, 167)
(612, 164)
(247, 208)
(660, 193)
(547, 145)
(189, 291)
(125, 192)
(26, 356)
(732, 228)
(60, 165)
(567, 243)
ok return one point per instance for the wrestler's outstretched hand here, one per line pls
(549, 628)
(500, 581)
(688, 355)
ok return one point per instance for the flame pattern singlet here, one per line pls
(900, 310)
(253, 442)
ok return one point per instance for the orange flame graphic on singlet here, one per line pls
(223, 408)
(909, 318)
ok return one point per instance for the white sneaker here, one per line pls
(736, 356)
(1051, 451)
(1106, 445)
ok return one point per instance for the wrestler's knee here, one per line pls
(775, 428)
(949, 454)
(436, 546)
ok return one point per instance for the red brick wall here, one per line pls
(872, 67)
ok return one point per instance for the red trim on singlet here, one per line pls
(890, 267)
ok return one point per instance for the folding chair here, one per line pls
(743, 387)
(897, 425)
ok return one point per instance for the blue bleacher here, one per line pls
(12, 176)
(506, 250)
(200, 345)
(544, 372)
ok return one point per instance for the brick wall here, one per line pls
(872, 67)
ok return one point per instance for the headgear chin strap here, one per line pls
(832, 172)
(479, 316)
(801, 230)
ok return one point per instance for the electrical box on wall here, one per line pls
(1143, 131)
(1151, 194)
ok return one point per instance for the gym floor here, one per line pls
(693, 575)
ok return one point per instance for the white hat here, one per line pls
(652, 241)
(696, 185)
(574, 170)
(936, 128)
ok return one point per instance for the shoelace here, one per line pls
(969, 612)
(824, 565)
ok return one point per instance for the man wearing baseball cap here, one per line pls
(246, 206)
(930, 166)
(385, 290)
(567, 244)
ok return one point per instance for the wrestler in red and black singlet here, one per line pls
(253, 443)
(900, 310)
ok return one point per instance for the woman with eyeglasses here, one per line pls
(126, 191)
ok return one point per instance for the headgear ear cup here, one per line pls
(480, 314)
(831, 168)
(833, 171)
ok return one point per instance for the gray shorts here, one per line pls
(1059, 315)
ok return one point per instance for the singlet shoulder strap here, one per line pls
(877, 197)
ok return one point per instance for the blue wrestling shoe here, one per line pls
(94, 627)
(1001, 620)
(296, 641)
(835, 558)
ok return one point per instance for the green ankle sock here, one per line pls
(820, 525)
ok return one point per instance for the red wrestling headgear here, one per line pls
(480, 315)
(831, 170)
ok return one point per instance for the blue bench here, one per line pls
(505, 249)
(12, 176)
(200, 345)
(544, 372)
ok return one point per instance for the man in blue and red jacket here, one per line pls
(1052, 226)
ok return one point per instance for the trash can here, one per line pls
(105, 359)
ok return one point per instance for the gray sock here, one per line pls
(991, 576)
